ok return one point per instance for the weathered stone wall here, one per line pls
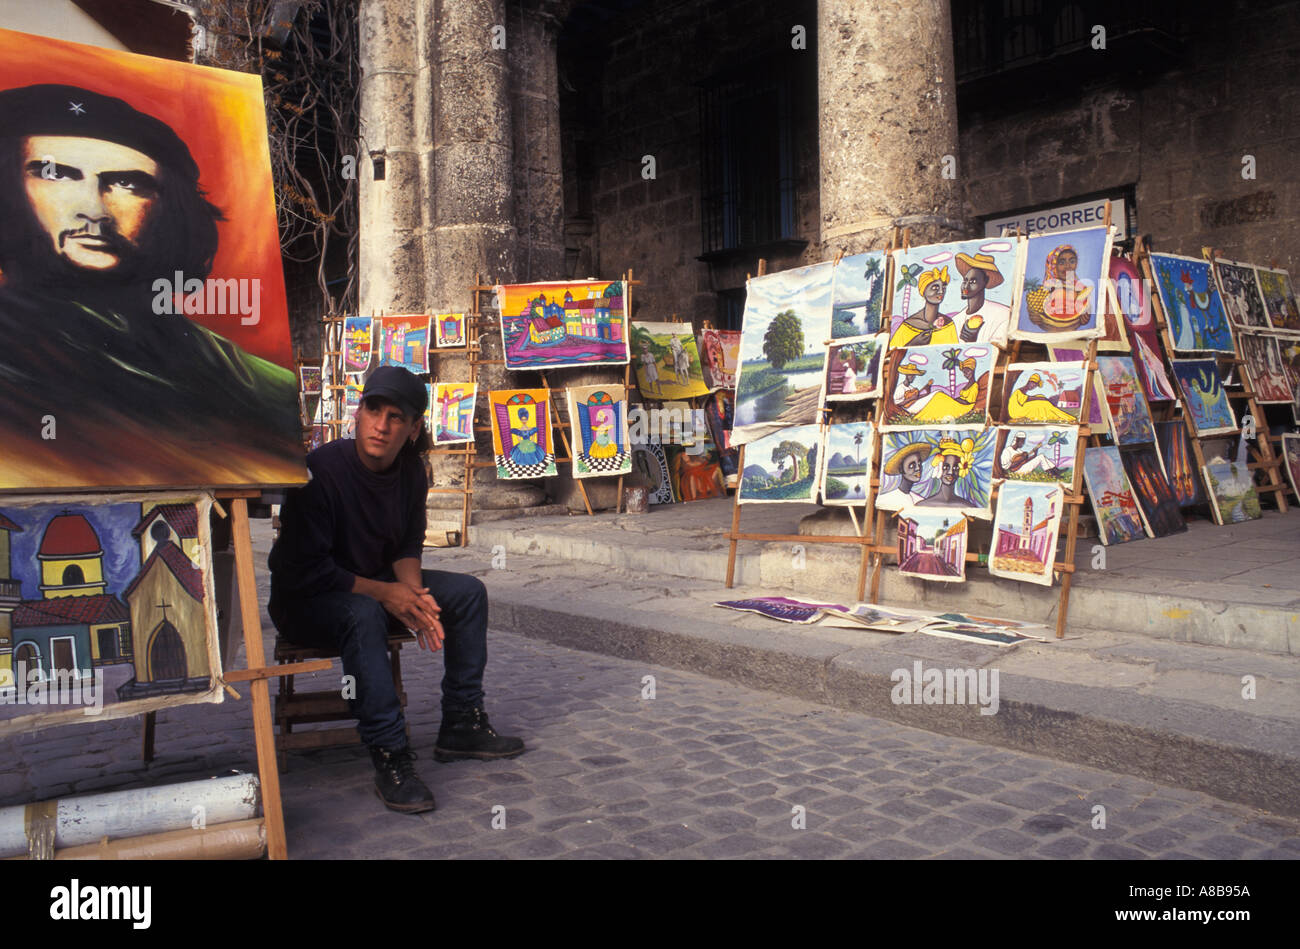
(1180, 139)
(634, 94)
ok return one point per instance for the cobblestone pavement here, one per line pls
(704, 769)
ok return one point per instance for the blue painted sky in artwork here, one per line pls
(806, 290)
(112, 522)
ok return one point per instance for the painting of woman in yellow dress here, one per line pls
(1028, 388)
(945, 385)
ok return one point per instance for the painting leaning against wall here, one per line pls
(109, 608)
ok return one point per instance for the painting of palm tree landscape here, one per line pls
(859, 295)
(782, 351)
(1044, 455)
(945, 385)
(846, 463)
(781, 466)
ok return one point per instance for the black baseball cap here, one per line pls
(399, 386)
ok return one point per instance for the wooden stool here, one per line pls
(322, 705)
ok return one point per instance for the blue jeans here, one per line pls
(358, 628)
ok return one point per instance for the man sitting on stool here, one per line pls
(345, 573)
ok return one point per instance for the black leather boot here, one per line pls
(469, 734)
(396, 782)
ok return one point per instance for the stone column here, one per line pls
(390, 243)
(887, 99)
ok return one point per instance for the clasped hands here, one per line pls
(416, 608)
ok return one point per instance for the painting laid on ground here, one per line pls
(598, 430)
(781, 466)
(845, 477)
(451, 409)
(960, 292)
(404, 341)
(720, 354)
(1291, 457)
(1032, 453)
(1025, 531)
(652, 464)
(1180, 463)
(938, 385)
(1232, 491)
(1156, 499)
(1262, 357)
(782, 350)
(107, 609)
(1063, 291)
(1279, 299)
(551, 325)
(448, 330)
(1043, 393)
(139, 236)
(937, 468)
(1204, 396)
(357, 339)
(1239, 290)
(667, 361)
(521, 433)
(1118, 517)
(1129, 416)
(858, 295)
(932, 545)
(853, 369)
(1139, 315)
(1193, 308)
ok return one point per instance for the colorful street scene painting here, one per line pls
(846, 463)
(1279, 299)
(1232, 492)
(720, 354)
(1118, 518)
(649, 459)
(598, 420)
(1291, 455)
(1204, 396)
(781, 466)
(932, 545)
(404, 341)
(961, 292)
(107, 608)
(853, 369)
(937, 468)
(696, 475)
(551, 325)
(782, 350)
(452, 409)
(1240, 293)
(521, 433)
(1155, 497)
(1130, 418)
(357, 338)
(858, 296)
(448, 330)
(1025, 530)
(1032, 453)
(1180, 464)
(1193, 308)
(1262, 357)
(1098, 413)
(938, 385)
(667, 361)
(1062, 291)
(1043, 393)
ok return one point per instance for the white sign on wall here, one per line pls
(1063, 217)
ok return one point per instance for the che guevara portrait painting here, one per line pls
(142, 303)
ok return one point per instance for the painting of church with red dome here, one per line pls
(105, 608)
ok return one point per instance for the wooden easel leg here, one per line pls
(735, 522)
(263, 734)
